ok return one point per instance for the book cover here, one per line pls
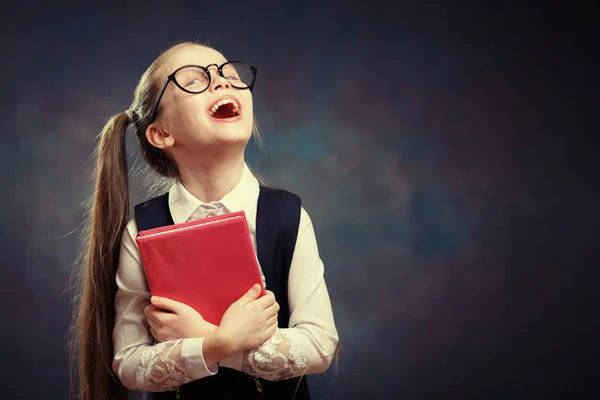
(207, 264)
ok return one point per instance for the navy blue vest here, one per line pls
(277, 220)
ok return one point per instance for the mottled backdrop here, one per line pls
(443, 152)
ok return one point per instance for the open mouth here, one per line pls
(226, 108)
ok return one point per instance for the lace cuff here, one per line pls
(162, 367)
(280, 357)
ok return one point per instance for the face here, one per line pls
(196, 121)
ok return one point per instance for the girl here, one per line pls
(192, 113)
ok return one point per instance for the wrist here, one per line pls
(216, 348)
(203, 330)
(228, 343)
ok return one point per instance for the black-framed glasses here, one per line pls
(196, 78)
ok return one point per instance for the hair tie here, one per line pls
(130, 115)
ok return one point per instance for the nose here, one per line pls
(217, 81)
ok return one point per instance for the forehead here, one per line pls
(196, 55)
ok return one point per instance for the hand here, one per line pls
(171, 320)
(249, 321)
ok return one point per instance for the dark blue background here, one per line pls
(443, 151)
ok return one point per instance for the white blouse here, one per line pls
(305, 347)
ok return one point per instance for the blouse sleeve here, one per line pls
(308, 344)
(139, 363)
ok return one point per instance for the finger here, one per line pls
(162, 317)
(271, 330)
(269, 294)
(272, 321)
(266, 301)
(153, 323)
(166, 304)
(150, 309)
(154, 334)
(272, 309)
(250, 295)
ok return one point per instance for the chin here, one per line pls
(233, 136)
(219, 133)
(236, 132)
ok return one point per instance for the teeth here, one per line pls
(222, 102)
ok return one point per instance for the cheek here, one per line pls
(188, 114)
(248, 108)
(249, 105)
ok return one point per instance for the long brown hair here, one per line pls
(105, 223)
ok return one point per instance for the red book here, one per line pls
(207, 264)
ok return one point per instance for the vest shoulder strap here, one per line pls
(153, 213)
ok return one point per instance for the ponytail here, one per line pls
(105, 224)
(106, 221)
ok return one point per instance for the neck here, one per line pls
(211, 179)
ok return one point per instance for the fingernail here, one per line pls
(155, 299)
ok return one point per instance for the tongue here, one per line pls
(225, 111)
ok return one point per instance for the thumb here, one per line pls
(165, 304)
(250, 295)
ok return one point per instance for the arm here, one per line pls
(138, 362)
(308, 345)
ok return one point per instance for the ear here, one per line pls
(159, 138)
